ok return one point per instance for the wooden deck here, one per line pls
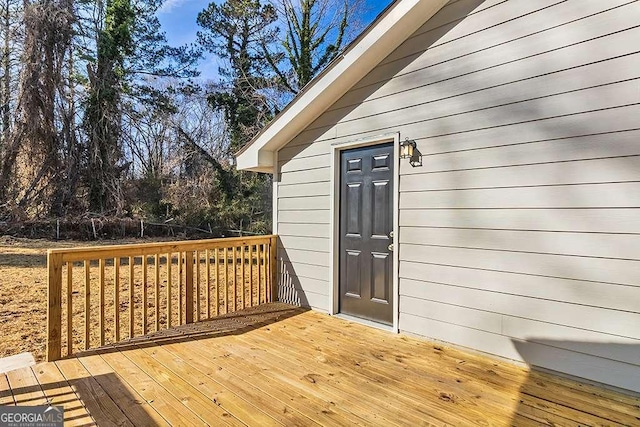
(279, 365)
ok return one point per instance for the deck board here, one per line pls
(102, 408)
(151, 390)
(278, 385)
(202, 406)
(59, 392)
(278, 365)
(240, 407)
(25, 387)
(6, 396)
(502, 377)
(280, 410)
(127, 400)
(338, 384)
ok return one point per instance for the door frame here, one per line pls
(334, 223)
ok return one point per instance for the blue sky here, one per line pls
(178, 19)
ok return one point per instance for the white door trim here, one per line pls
(334, 271)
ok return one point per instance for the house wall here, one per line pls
(520, 234)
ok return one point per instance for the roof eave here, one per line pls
(390, 30)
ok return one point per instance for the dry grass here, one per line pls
(23, 295)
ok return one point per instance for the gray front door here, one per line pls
(366, 225)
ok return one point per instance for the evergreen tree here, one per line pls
(103, 114)
(236, 31)
(131, 50)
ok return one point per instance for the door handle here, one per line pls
(390, 247)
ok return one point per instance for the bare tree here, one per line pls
(315, 32)
(33, 149)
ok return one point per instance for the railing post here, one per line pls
(273, 261)
(54, 308)
(189, 286)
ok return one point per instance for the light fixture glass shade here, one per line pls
(416, 159)
(406, 149)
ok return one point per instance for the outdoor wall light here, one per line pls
(409, 150)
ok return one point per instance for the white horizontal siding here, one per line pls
(606, 270)
(604, 145)
(597, 245)
(304, 203)
(558, 72)
(611, 170)
(417, 296)
(295, 256)
(305, 176)
(440, 117)
(318, 272)
(546, 354)
(583, 292)
(607, 195)
(305, 243)
(602, 220)
(305, 217)
(520, 234)
(523, 329)
(571, 30)
(304, 230)
(297, 285)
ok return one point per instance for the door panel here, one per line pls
(354, 209)
(366, 223)
(353, 270)
(380, 277)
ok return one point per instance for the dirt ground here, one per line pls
(23, 295)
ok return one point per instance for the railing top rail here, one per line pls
(141, 249)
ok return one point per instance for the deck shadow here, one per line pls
(101, 396)
(236, 323)
(585, 395)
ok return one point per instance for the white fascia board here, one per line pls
(392, 29)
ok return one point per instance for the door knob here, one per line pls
(390, 247)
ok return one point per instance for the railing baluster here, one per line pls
(101, 301)
(157, 294)
(273, 263)
(267, 268)
(197, 296)
(251, 276)
(244, 287)
(258, 247)
(225, 284)
(265, 274)
(144, 295)
(69, 308)
(116, 297)
(188, 283)
(208, 293)
(169, 262)
(235, 279)
(216, 268)
(131, 295)
(87, 304)
(180, 286)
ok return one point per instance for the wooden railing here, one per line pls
(165, 284)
